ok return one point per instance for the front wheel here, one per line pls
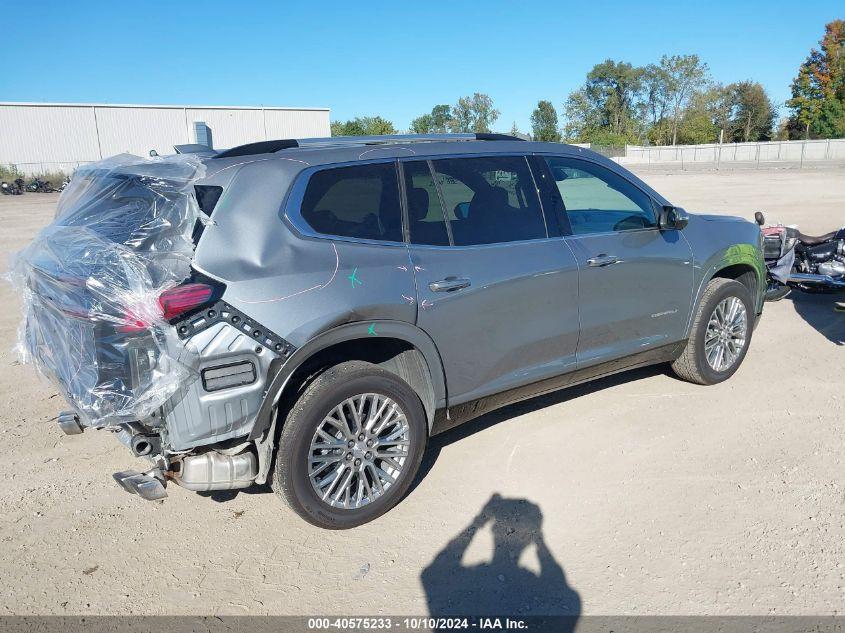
(720, 334)
(350, 446)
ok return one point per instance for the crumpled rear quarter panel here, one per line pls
(297, 286)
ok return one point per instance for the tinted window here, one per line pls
(425, 213)
(490, 199)
(598, 200)
(360, 201)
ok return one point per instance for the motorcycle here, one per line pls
(40, 186)
(804, 262)
(14, 188)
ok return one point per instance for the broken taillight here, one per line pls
(182, 299)
(173, 303)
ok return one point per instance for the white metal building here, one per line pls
(42, 137)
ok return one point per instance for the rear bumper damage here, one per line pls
(210, 469)
(137, 342)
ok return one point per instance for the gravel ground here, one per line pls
(636, 494)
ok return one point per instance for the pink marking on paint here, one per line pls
(301, 292)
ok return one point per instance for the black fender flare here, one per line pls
(401, 330)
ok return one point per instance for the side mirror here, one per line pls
(673, 218)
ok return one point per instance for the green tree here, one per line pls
(473, 114)
(818, 91)
(608, 108)
(682, 76)
(655, 84)
(363, 126)
(544, 122)
(753, 113)
(437, 122)
(699, 121)
(422, 124)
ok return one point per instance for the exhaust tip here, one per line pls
(147, 485)
(141, 446)
(69, 423)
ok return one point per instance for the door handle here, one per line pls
(602, 260)
(449, 284)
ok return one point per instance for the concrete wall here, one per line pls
(58, 137)
(714, 154)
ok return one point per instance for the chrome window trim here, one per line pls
(292, 206)
(554, 238)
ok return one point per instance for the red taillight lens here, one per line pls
(184, 298)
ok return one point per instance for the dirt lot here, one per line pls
(656, 496)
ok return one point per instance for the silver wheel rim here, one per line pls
(726, 334)
(358, 451)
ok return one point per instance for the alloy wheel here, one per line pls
(358, 451)
(726, 334)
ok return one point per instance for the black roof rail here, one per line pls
(193, 148)
(261, 147)
(493, 136)
(267, 147)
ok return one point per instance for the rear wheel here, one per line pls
(720, 334)
(350, 446)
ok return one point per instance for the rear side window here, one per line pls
(490, 199)
(207, 197)
(425, 213)
(361, 201)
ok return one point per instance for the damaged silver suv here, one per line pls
(310, 312)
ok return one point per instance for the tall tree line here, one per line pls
(818, 92)
(673, 101)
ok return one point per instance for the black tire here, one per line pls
(692, 364)
(330, 388)
(776, 291)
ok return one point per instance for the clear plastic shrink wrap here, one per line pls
(90, 284)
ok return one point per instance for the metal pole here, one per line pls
(803, 147)
(758, 155)
(97, 131)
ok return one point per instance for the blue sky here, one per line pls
(397, 59)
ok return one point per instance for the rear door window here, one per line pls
(361, 201)
(490, 199)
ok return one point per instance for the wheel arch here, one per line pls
(743, 273)
(740, 262)
(397, 346)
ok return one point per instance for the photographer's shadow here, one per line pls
(501, 586)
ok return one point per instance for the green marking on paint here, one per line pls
(372, 330)
(354, 278)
